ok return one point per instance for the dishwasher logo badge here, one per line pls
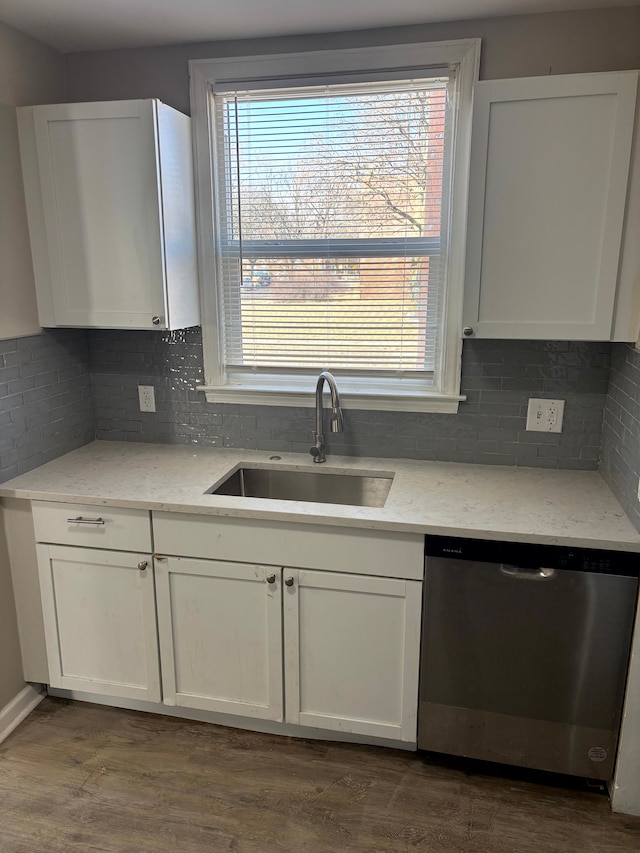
(597, 753)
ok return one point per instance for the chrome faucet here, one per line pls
(337, 424)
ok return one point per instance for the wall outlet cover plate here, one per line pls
(147, 397)
(545, 415)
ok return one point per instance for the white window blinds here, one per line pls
(331, 211)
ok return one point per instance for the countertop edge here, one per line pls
(528, 505)
(282, 515)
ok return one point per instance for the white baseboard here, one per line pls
(15, 711)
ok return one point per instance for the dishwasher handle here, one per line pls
(538, 574)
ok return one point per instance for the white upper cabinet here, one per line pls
(547, 196)
(110, 201)
(626, 319)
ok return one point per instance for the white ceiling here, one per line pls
(74, 25)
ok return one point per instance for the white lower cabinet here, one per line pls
(336, 651)
(220, 629)
(100, 621)
(350, 645)
(352, 653)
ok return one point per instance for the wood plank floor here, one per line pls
(78, 777)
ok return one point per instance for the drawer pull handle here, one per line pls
(142, 565)
(81, 520)
(288, 581)
(271, 578)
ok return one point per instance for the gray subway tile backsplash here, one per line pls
(45, 399)
(498, 378)
(621, 429)
(61, 388)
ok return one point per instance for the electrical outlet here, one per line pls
(545, 415)
(147, 397)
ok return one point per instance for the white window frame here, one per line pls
(461, 56)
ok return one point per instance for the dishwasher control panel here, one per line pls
(527, 555)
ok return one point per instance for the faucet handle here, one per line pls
(317, 451)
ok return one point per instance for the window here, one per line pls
(332, 232)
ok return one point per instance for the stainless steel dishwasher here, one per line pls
(525, 651)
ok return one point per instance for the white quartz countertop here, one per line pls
(573, 508)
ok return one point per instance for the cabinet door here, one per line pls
(100, 621)
(548, 184)
(98, 167)
(626, 321)
(351, 653)
(220, 628)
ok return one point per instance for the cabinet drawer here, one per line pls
(306, 546)
(93, 526)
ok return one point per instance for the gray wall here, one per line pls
(497, 377)
(518, 46)
(11, 678)
(30, 73)
(621, 431)
(19, 313)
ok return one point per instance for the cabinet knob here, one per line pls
(142, 565)
(155, 321)
(467, 331)
(288, 581)
(271, 578)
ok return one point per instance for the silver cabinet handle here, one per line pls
(271, 578)
(541, 574)
(288, 581)
(142, 565)
(81, 520)
(155, 321)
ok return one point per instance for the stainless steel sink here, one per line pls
(314, 486)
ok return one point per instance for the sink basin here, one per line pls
(314, 486)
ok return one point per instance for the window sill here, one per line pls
(443, 403)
